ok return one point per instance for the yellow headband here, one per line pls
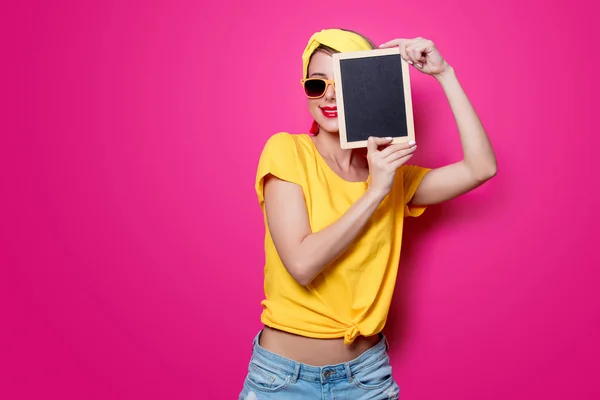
(337, 39)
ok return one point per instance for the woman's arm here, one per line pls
(479, 161)
(304, 253)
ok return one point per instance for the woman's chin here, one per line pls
(329, 125)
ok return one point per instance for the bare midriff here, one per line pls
(311, 351)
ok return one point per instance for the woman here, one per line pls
(334, 222)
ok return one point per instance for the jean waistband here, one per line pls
(319, 373)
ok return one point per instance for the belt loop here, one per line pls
(296, 373)
(255, 340)
(348, 371)
(387, 344)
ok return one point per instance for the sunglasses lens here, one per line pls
(314, 87)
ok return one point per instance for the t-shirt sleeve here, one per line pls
(411, 178)
(279, 158)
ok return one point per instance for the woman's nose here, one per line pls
(330, 92)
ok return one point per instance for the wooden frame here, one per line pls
(339, 92)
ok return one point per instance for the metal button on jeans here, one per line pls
(327, 374)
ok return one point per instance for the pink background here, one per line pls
(131, 240)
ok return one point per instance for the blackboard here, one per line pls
(373, 96)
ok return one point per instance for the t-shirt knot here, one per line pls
(351, 334)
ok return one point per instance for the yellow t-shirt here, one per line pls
(351, 296)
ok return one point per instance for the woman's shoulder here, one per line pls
(285, 156)
(284, 137)
(286, 143)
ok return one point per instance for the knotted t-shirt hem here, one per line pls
(349, 334)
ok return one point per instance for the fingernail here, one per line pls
(419, 65)
(388, 138)
(410, 62)
(412, 143)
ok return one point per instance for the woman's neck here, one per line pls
(328, 144)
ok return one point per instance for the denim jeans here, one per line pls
(271, 376)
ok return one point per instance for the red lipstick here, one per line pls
(329, 111)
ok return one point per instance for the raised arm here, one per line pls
(479, 161)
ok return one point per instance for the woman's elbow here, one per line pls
(304, 280)
(485, 173)
(300, 271)
(490, 171)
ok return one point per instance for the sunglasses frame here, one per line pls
(328, 82)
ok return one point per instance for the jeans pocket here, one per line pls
(266, 379)
(375, 376)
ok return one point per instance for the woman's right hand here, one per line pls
(384, 163)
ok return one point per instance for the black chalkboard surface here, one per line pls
(373, 96)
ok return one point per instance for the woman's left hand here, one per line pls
(421, 53)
